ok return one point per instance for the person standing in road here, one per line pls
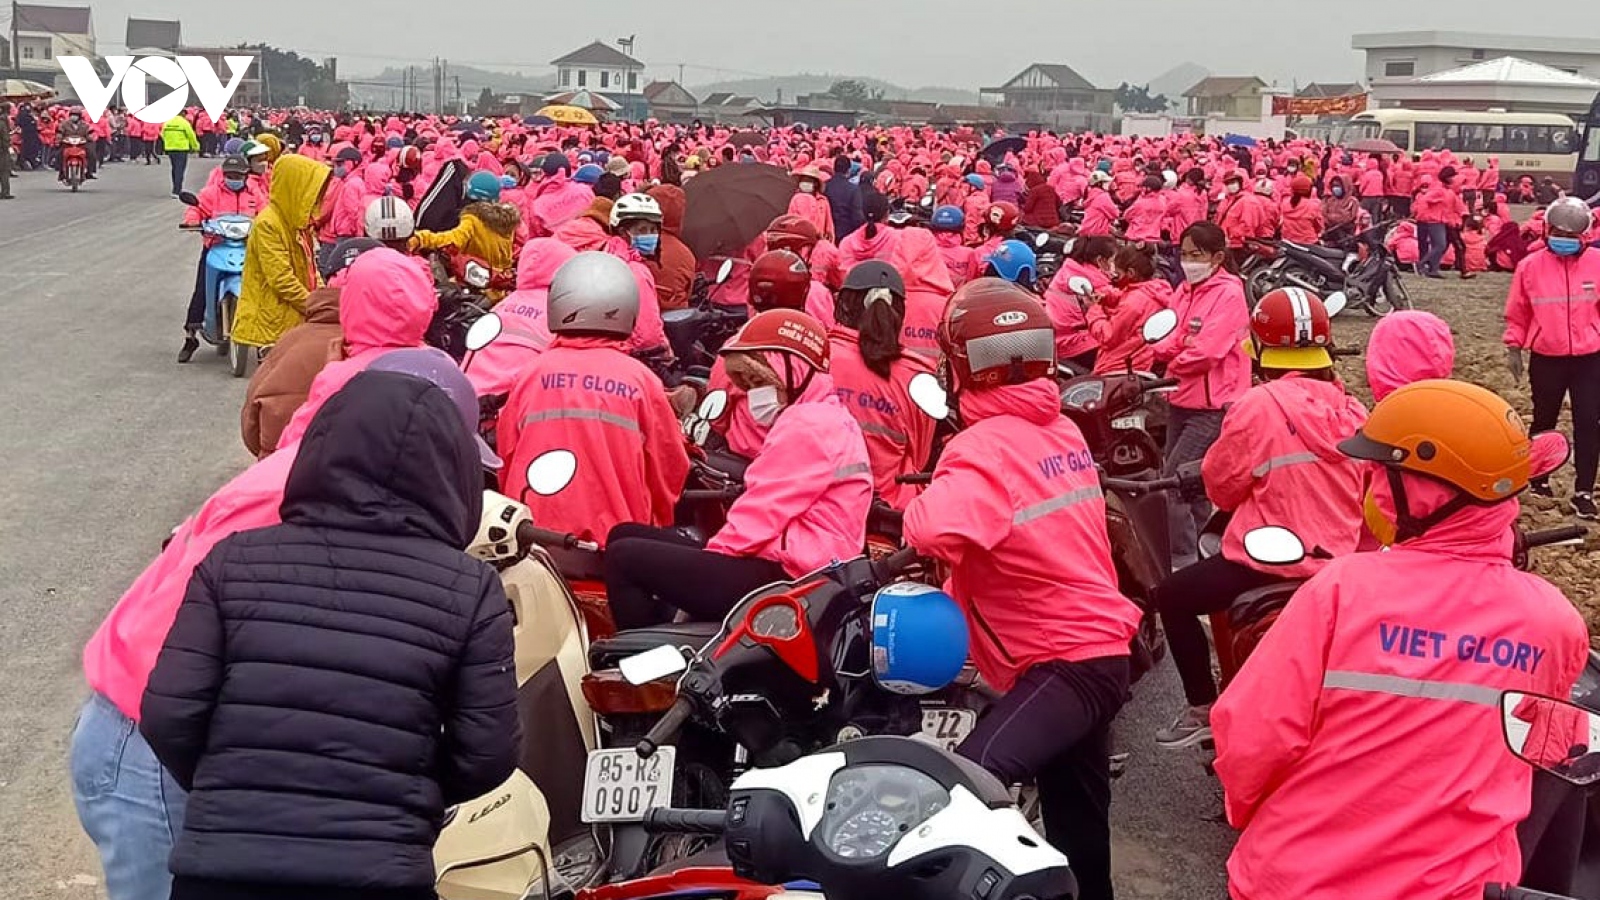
(844, 200)
(5, 151)
(1553, 312)
(178, 140)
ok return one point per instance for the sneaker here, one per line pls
(1193, 726)
(1541, 488)
(190, 345)
(1583, 505)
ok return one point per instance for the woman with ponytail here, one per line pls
(873, 375)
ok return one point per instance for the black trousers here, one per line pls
(195, 318)
(1054, 728)
(1452, 236)
(185, 888)
(1554, 378)
(1209, 586)
(1552, 836)
(652, 573)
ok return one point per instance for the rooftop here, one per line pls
(153, 33)
(1224, 86)
(1319, 91)
(598, 54)
(1510, 70)
(1064, 76)
(61, 19)
(1475, 39)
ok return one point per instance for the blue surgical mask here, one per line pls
(646, 244)
(1564, 246)
(233, 184)
(339, 170)
(1338, 192)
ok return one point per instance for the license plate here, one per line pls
(618, 786)
(1129, 423)
(948, 726)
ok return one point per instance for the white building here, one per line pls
(599, 67)
(1508, 83)
(1415, 54)
(46, 32)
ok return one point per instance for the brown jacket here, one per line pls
(674, 265)
(284, 379)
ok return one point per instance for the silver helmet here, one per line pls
(594, 293)
(1569, 214)
(389, 219)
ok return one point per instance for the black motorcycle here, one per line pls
(1373, 284)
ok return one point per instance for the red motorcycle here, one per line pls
(74, 161)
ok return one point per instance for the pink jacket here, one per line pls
(588, 396)
(1277, 462)
(813, 208)
(526, 330)
(808, 490)
(1245, 216)
(386, 304)
(1099, 214)
(899, 436)
(217, 200)
(1015, 509)
(1146, 217)
(1117, 325)
(915, 254)
(120, 655)
(558, 199)
(1185, 206)
(1206, 352)
(1068, 312)
(1405, 347)
(1402, 242)
(1302, 224)
(745, 435)
(1554, 305)
(1364, 733)
(962, 261)
(1438, 204)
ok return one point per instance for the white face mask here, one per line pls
(764, 404)
(1234, 188)
(807, 187)
(1196, 272)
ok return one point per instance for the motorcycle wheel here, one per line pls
(1394, 292)
(1261, 282)
(225, 326)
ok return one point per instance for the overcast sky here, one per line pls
(914, 43)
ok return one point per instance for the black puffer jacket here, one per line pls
(332, 683)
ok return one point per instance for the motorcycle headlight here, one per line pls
(235, 231)
(870, 807)
(476, 275)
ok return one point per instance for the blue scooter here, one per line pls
(224, 268)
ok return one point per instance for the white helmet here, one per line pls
(1264, 187)
(1169, 179)
(496, 540)
(1569, 214)
(390, 219)
(635, 206)
(594, 293)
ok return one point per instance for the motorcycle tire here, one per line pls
(225, 312)
(1394, 292)
(1262, 282)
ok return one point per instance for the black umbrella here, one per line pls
(996, 151)
(537, 121)
(748, 139)
(729, 205)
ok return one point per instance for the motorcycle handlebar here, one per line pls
(894, 564)
(1346, 351)
(914, 478)
(529, 534)
(666, 729)
(1140, 488)
(685, 821)
(712, 495)
(1556, 535)
(1508, 892)
(1156, 384)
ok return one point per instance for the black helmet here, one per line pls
(235, 164)
(875, 274)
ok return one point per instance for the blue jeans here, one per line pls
(180, 162)
(1433, 239)
(128, 804)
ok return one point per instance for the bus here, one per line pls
(1586, 181)
(1535, 144)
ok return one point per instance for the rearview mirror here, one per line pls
(189, 199)
(929, 396)
(484, 331)
(651, 665)
(1274, 546)
(551, 472)
(1335, 303)
(713, 406)
(725, 271)
(1080, 285)
(1042, 240)
(1552, 735)
(1159, 325)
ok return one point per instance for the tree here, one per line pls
(288, 77)
(486, 104)
(853, 91)
(1138, 100)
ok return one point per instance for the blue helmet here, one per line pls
(588, 173)
(233, 145)
(976, 181)
(948, 218)
(919, 638)
(483, 186)
(394, 143)
(1012, 260)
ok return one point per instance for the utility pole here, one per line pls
(14, 53)
(680, 74)
(456, 100)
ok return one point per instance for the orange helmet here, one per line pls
(1450, 431)
(779, 280)
(995, 333)
(787, 331)
(1290, 329)
(792, 233)
(1002, 217)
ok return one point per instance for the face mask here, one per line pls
(646, 244)
(764, 404)
(807, 187)
(233, 185)
(339, 171)
(1564, 246)
(1196, 272)
(1234, 188)
(1338, 192)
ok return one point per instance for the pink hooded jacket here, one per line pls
(1099, 214)
(588, 396)
(522, 315)
(1407, 346)
(1277, 462)
(808, 490)
(915, 254)
(558, 199)
(1068, 312)
(386, 304)
(899, 436)
(745, 435)
(1015, 508)
(1380, 686)
(1185, 206)
(1206, 351)
(962, 261)
(1554, 305)
(1117, 325)
(1146, 216)
(119, 657)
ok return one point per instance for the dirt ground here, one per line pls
(1474, 310)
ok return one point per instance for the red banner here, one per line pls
(1348, 105)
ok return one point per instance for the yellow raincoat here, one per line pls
(487, 231)
(279, 260)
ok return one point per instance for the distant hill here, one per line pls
(794, 85)
(376, 90)
(1175, 81)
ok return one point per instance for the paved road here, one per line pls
(108, 444)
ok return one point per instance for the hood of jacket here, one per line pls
(674, 203)
(1037, 401)
(1408, 346)
(388, 454)
(1319, 413)
(386, 301)
(501, 218)
(583, 233)
(297, 186)
(1477, 531)
(376, 178)
(322, 306)
(540, 259)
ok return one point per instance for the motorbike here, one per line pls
(1371, 282)
(74, 161)
(224, 274)
(1560, 839)
(699, 330)
(461, 281)
(1558, 739)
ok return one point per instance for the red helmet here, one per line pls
(1002, 217)
(792, 233)
(1291, 330)
(1301, 185)
(787, 331)
(410, 158)
(995, 333)
(779, 280)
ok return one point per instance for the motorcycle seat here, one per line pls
(1332, 253)
(605, 653)
(1253, 606)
